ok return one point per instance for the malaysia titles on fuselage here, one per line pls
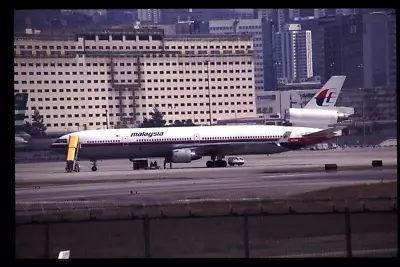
(148, 134)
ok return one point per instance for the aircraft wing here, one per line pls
(330, 132)
(224, 148)
(230, 147)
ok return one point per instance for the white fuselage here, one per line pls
(209, 140)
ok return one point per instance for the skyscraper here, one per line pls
(294, 53)
(361, 46)
(152, 15)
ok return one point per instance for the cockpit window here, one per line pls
(61, 141)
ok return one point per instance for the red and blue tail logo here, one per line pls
(320, 98)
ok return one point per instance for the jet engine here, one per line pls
(309, 117)
(184, 156)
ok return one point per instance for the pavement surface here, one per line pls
(318, 235)
(115, 179)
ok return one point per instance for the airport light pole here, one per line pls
(209, 89)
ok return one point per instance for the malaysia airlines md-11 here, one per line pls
(185, 144)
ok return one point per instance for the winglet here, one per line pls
(284, 138)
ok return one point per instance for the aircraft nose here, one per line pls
(60, 144)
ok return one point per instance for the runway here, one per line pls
(117, 181)
(116, 169)
(179, 189)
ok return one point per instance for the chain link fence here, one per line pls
(225, 229)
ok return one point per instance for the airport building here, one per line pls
(377, 104)
(273, 104)
(96, 80)
(370, 104)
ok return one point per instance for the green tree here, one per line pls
(177, 123)
(189, 122)
(121, 126)
(146, 123)
(157, 120)
(37, 127)
(183, 123)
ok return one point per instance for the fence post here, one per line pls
(47, 240)
(348, 232)
(246, 237)
(146, 232)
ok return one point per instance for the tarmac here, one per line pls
(115, 179)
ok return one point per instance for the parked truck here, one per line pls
(322, 146)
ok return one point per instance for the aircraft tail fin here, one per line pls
(328, 94)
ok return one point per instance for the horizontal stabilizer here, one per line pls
(330, 132)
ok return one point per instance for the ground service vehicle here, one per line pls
(232, 161)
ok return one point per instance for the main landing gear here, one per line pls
(94, 167)
(219, 163)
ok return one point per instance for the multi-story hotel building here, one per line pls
(104, 79)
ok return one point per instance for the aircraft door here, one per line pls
(124, 140)
(196, 138)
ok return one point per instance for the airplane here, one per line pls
(185, 144)
(320, 111)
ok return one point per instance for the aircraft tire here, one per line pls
(94, 169)
(209, 164)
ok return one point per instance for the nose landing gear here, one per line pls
(94, 167)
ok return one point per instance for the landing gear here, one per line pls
(168, 160)
(219, 163)
(94, 168)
